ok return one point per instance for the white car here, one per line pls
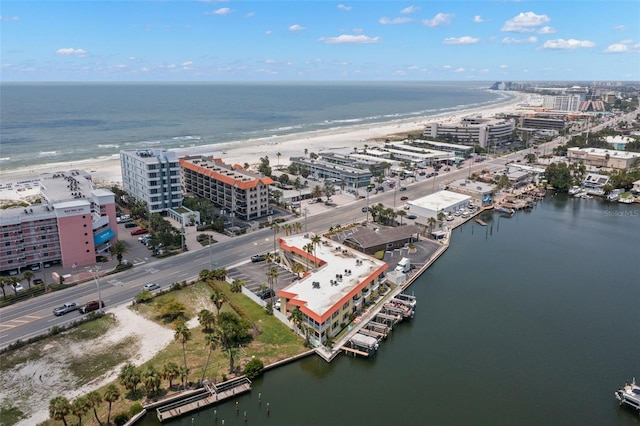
(151, 286)
(17, 287)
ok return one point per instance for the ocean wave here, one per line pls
(187, 138)
(41, 153)
(108, 145)
(5, 158)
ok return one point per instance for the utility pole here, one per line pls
(96, 277)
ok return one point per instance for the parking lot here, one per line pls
(254, 274)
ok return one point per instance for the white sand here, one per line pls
(250, 151)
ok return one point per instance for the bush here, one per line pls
(121, 418)
(135, 409)
(253, 368)
(144, 296)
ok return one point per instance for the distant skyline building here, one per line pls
(152, 176)
(74, 223)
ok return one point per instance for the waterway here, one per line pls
(532, 320)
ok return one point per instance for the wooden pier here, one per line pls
(481, 222)
(211, 394)
(355, 351)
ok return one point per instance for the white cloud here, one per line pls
(459, 69)
(504, 66)
(461, 40)
(525, 22)
(350, 39)
(268, 32)
(344, 7)
(394, 21)
(546, 30)
(70, 51)
(439, 19)
(625, 46)
(221, 11)
(296, 27)
(409, 10)
(478, 19)
(447, 67)
(9, 18)
(186, 64)
(510, 40)
(619, 28)
(570, 44)
(249, 15)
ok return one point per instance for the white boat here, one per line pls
(629, 395)
(575, 190)
(627, 200)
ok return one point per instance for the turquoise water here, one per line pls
(531, 320)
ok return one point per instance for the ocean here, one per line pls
(59, 122)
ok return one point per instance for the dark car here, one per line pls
(92, 305)
(258, 258)
(66, 308)
(365, 209)
(265, 294)
(38, 281)
(411, 216)
(404, 198)
(130, 225)
(403, 188)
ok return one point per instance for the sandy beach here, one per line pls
(107, 170)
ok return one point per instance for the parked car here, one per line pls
(403, 198)
(402, 188)
(258, 258)
(139, 231)
(66, 308)
(365, 209)
(265, 294)
(130, 225)
(151, 286)
(17, 287)
(92, 305)
(38, 281)
(412, 216)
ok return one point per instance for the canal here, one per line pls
(532, 320)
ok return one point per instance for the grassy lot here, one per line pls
(272, 341)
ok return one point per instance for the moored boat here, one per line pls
(629, 395)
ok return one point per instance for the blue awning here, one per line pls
(103, 236)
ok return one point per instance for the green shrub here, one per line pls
(121, 418)
(253, 368)
(135, 409)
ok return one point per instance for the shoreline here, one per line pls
(107, 169)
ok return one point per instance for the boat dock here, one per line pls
(211, 394)
(481, 222)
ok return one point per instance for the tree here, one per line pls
(59, 407)
(559, 176)
(206, 319)
(218, 299)
(170, 371)
(111, 395)
(183, 335)
(272, 275)
(129, 377)
(28, 275)
(151, 378)
(173, 309)
(3, 282)
(328, 189)
(309, 249)
(297, 268)
(253, 368)
(236, 286)
(94, 399)
(401, 213)
(431, 222)
(79, 408)
(211, 342)
(119, 249)
(296, 317)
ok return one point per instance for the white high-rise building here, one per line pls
(563, 102)
(152, 176)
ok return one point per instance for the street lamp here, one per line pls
(96, 277)
(305, 219)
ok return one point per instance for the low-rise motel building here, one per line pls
(339, 283)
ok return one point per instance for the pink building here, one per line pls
(74, 224)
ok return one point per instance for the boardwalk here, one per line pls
(211, 394)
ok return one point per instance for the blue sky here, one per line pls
(89, 40)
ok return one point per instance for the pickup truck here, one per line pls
(66, 308)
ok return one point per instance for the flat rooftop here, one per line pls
(440, 200)
(334, 259)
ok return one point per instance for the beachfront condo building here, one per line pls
(351, 170)
(152, 176)
(74, 224)
(484, 132)
(236, 191)
(337, 285)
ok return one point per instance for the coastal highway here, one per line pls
(34, 316)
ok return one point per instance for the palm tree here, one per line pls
(111, 395)
(309, 249)
(297, 268)
(278, 155)
(231, 351)
(236, 286)
(431, 222)
(183, 334)
(217, 297)
(28, 275)
(94, 399)
(3, 282)
(129, 377)
(272, 275)
(315, 240)
(151, 378)
(401, 213)
(59, 407)
(296, 317)
(206, 319)
(170, 371)
(119, 249)
(297, 226)
(268, 257)
(79, 407)
(211, 341)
